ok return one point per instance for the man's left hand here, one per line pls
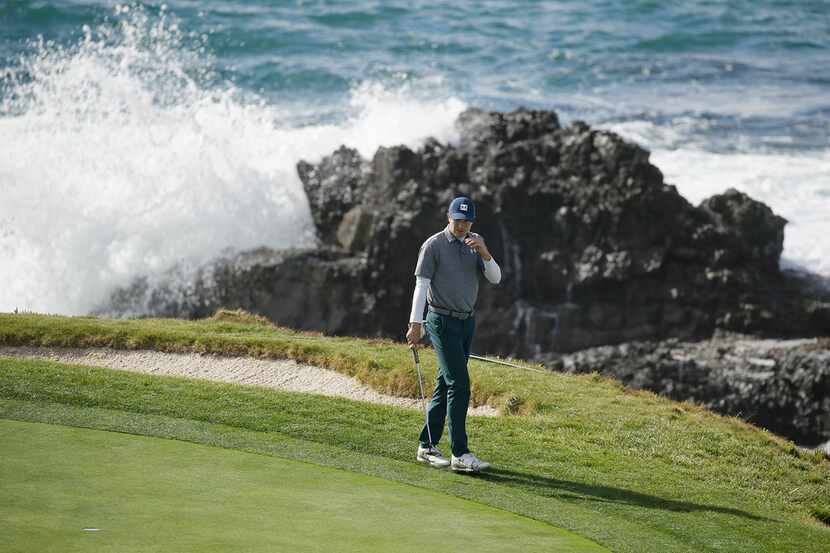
(476, 242)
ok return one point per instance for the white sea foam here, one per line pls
(121, 157)
(795, 186)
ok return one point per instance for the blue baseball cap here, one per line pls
(462, 208)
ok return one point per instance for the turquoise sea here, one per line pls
(134, 136)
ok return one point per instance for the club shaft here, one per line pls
(498, 362)
(423, 398)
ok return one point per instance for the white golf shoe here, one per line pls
(468, 463)
(432, 456)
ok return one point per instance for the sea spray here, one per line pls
(147, 140)
(124, 155)
(796, 185)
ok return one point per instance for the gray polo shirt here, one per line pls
(454, 270)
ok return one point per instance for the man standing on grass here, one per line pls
(447, 275)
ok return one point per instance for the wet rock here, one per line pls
(302, 289)
(781, 385)
(755, 233)
(333, 187)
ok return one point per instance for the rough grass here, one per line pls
(380, 363)
(629, 470)
(241, 316)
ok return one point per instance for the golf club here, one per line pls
(421, 387)
(499, 362)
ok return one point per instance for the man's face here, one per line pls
(459, 227)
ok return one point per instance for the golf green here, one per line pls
(69, 489)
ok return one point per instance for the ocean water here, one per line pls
(136, 136)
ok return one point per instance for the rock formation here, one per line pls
(781, 385)
(594, 247)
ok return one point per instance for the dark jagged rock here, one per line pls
(320, 299)
(783, 386)
(333, 187)
(755, 234)
(595, 248)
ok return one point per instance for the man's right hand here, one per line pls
(414, 334)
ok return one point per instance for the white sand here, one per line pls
(278, 374)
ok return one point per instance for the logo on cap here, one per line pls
(463, 207)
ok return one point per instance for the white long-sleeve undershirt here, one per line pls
(492, 272)
(419, 300)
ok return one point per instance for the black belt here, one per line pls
(454, 314)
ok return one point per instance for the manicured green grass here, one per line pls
(630, 471)
(70, 489)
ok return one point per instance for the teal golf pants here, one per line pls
(451, 339)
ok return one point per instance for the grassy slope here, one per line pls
(630, 470)
(213, 499)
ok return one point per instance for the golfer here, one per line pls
(450, 264)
